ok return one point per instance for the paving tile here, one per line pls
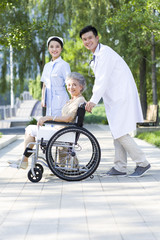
(93, 209)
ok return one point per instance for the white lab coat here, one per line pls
(54, 76)
(114, 83)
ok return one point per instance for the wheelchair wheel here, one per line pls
(73, 154)
(40, 167)
(37, 177)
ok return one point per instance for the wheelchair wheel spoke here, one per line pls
(73, 154)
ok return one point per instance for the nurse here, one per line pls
(54, 94)
(114, 83)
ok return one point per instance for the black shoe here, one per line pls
(140, 171)
(114, 172)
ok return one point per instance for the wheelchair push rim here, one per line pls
(73, 154)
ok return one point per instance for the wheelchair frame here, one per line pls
(83, 141)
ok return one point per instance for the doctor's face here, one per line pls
(90, 41)
(54, 49)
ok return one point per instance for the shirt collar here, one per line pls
(97, 49)
(56, 60)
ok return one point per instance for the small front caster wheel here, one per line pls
(40, 167)
(37, 177)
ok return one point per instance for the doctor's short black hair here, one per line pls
(88, 29)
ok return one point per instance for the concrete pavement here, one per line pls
(113, 208)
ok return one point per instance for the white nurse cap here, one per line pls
(52, 37)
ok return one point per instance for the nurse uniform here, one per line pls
(53, 76)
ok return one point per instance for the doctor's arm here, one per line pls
(104, 69)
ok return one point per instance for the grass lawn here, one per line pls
(150, 137)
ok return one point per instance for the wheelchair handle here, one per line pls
(82, 105)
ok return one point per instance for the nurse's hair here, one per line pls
(55, 38)
(88, 28)
(77, 76)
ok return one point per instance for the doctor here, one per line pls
(115, 84)
(54, 94)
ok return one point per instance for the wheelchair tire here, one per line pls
(37, 177)
(85, 149)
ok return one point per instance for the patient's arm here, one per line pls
(68, 118)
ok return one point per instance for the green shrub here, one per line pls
(0, 134)
(98, 115)
(150, 137)
(33, 121)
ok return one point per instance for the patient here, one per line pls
(75, 85)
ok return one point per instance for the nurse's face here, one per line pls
(54, 49)
(74, 88)
(90, 41)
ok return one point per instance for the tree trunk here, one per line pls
(143, 91)
(154, 79)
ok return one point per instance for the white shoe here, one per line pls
(19, 164)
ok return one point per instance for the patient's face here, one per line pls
(74, 88)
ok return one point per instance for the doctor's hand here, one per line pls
(89, 106)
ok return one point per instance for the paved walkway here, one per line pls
(102, 208)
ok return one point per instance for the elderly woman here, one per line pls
(75, 86)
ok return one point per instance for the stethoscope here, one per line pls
(91, 63)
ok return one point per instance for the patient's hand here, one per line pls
(42, 120)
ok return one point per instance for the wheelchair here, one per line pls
(72, 153)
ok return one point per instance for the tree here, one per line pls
(26, 25)
(134, 22)
(79, 15)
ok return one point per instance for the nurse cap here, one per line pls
(52, 37)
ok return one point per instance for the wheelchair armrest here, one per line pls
(60, 123)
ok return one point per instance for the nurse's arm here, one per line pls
(43, 96)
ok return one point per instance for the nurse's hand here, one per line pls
(43, 103)
(89, 106)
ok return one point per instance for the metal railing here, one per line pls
(8, 112)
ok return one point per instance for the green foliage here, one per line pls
(150, 137)
(126, 26)
(97, 116)
(33, 121)
(35, 88)
(130, 25)
(0, 134)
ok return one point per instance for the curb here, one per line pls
(6, 140)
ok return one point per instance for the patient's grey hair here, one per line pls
(77, 76)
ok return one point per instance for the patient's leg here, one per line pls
(30, 133)
(27, 139)
(65, 158)
(62, 156)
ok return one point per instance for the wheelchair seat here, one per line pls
(72, 153)
(46, 132)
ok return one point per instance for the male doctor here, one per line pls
(115, 84)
